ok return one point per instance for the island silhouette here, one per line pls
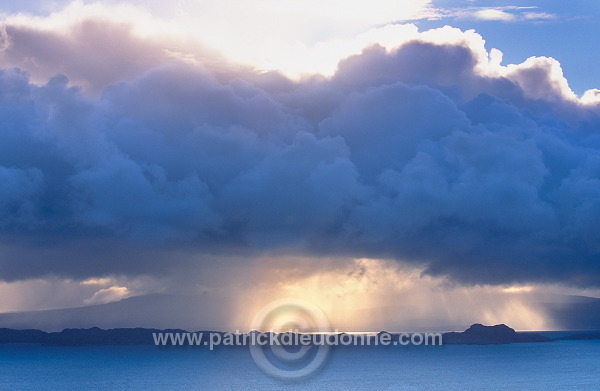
(477, 334)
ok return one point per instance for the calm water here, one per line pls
(562, 366)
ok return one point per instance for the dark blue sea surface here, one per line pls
(561, 366)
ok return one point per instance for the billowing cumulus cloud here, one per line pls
(430, 152)
(95, 46)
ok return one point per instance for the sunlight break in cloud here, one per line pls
(296, 37)
(372, 294)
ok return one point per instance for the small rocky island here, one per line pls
(479, 334)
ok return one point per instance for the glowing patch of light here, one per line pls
(107, 295)
(516, 289)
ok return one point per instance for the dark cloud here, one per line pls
(411, 154)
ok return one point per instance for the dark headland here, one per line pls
(477, 334)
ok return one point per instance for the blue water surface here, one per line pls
(561, 366)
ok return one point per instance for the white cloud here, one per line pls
(107, 295)
(591, 97)
(140, 40)
(539, 16)
(98, 281)
(541, 78)
(292, 36)
(502, 14)
(493, 14)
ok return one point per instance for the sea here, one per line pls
(559, 365)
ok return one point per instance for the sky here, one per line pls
(396, 163)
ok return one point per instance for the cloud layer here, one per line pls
(430, 152)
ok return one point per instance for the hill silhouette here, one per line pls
(477, 334)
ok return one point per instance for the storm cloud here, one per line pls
(429, 153)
